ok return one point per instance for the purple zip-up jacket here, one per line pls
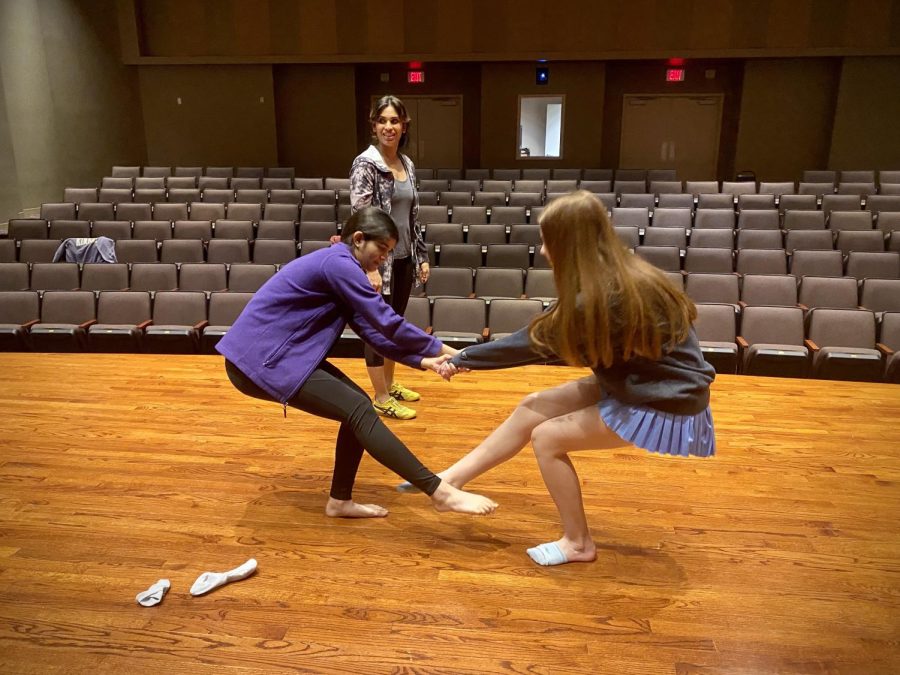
(293, 321)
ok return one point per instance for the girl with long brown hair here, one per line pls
(621, 317)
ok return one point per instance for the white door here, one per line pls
(678, 132)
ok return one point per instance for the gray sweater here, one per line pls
(677, 383)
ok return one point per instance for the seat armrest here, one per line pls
(87, 324)
(811, 346)
(143, 324)
(884, 349)
(742, 343)
(200, 325)
(30, 323)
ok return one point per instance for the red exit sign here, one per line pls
(674, 74)
(415, 76)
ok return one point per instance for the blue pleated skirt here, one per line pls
(660, 432)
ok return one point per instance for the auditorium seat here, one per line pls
(224, 309)
(461, 255)
(840, 203)
(456, 199)
(211, 212)
(19, 310)
(660, 187)
(540, 285)
(834, 292)
(248, 278)
(634, 200)
(759, 239)
(672, 217)
(273, 251)
(714, 218)
(14, 276)
(233, 229)
(8, 251)
(131, 171)
(779, 290)
(459, 322)
(228, 251)
(631, 217)
(817, 263)
(28, 228)
(713, 288)
(675, 201)
(217, 196)
(79, 195)
(317, 231)
(842, 342)
(181, 251)
(850, 220)
(484, 233)
(193, 229)
(508, 215)
(525, 199)
(292, 197)
(276, 229)
(101, 210)
(808, 240)
(178, 318)
(171, 212)
(104, 277)
(58, 276)
(65, 318)
(38, 250)
(804, 220)
(121, 319)
(496, 282)
(880, 295)
(753, 202)
(58, 211)
(157, 171)
(712, 238)
(157, 230)
(772, 342)
(871, 265)
(754, 219)
(797, 203)
(716, 328)
(666, 236)
(507, 315)
(207, 277)
(490, 199)
(450, 281)
(181, 182)
(852, 240)
(715, 201)
(709, 260)
(666, 258)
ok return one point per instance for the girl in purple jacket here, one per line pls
(277, 347)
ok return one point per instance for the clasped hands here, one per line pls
(442, 366)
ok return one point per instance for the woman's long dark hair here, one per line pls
(402, 113)
(374, 224)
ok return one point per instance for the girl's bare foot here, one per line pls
(347, 508)
(449, 498)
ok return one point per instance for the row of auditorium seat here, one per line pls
(436, 193)
(845, 344)
(877, 294)
(855, 176)
(487, 282)
(828, 343)
(77, 220)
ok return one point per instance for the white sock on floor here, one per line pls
(154, 594)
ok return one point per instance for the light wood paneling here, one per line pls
(780, 555)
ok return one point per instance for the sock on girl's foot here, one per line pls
(547, 554)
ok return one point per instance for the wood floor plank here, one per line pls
(780, 555)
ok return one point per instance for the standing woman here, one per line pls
(381, 176)
(276, 351)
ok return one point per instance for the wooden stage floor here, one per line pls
(780, 555)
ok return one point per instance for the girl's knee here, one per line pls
(544, 441)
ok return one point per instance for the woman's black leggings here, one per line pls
(331, 394)
(401, 286)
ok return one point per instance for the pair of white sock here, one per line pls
(204, 583)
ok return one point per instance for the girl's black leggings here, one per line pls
(330, 394)
(402, 274)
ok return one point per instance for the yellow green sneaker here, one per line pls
(392, 408)
(401, 393)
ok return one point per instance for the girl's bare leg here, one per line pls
(552, 441)
(515, 432)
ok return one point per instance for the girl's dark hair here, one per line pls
(374, 224)
(396, 104)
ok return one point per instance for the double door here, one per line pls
(678, 132)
